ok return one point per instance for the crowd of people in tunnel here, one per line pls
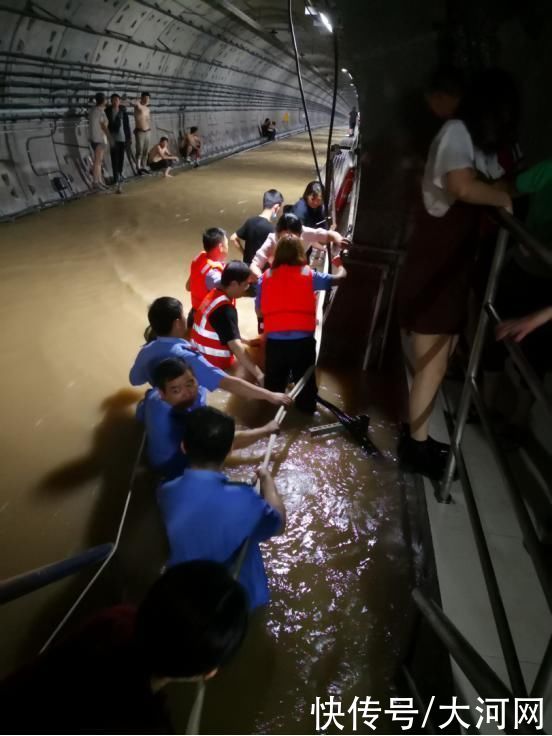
(473, 161)
(194, 617)
(109, 127)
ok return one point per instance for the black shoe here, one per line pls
(441, 448)
(421, 457)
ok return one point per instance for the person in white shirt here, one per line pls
(290, 224)
(434, 284)
(98, 129)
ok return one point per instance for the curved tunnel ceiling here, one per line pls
(211, 63)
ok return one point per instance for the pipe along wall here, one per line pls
(203, 63)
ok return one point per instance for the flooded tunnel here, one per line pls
(393, 595)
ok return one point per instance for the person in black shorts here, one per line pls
(255, 230)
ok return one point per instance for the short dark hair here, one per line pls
(313, 187)
(114, 95)
(167, 370)
(100, 98)
(145, 94)
(163, 138)
(193, 129)
(272, 197)
(162, 314)
(289, 222)
(235, 271)
(447, 79)
(212, 237)
(209, 435)
(192, 620)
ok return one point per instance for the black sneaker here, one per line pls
(421, 457)
(441, 448)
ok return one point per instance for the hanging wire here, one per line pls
(301, 89)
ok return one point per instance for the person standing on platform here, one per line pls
(215, 333)
(207, 517)
(116, 118)
(353, 117)
(255, 230)
(142, 130)
(432, 296)
(286, 299)
(98, 129)
(168, 327)
(206, 268)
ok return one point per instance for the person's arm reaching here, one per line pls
(236, 242)
(269, 492)
(517, 329)
(464, 185)
(245, 390)
(262, 256)
(240, 353)
(246, 437)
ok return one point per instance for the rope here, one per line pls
(109, 557)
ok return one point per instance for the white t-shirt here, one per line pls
(96, 116)
(451, 149)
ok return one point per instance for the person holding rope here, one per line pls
(286, 301)
(165, 410)
(207, 517)
(167, 328)
(206, 268)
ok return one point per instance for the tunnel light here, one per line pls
(326, 22)
(345, 71)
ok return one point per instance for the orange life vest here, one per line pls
(204, 338)
(200, 267)
(288, 302)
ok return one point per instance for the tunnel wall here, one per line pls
(202, 63)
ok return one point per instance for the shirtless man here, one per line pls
(192, 146)
(159, 158)
(142, 119)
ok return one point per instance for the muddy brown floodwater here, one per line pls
(75, 285)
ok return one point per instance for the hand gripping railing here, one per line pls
(471, 394)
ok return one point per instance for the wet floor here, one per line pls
(75, 285)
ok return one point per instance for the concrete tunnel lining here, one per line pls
(205, 64)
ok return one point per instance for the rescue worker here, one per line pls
(206, 268)
(286, 298)
(215, 333)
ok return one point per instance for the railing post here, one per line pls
(473, 365)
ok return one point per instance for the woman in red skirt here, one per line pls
(434, 284)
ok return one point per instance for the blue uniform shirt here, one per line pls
(320, 282)
(165, 429)
(173, 347)
(208, 518)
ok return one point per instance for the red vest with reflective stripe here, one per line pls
(201, 265)
(204, 337)
(288, 301)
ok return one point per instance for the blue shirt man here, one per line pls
(208, 517)
(168, 325)
(165, 410)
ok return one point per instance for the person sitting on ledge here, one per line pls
(160, 158)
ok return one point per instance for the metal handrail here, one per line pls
(471, 395)
(20, 585)
(523, 236)
(479, 673)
